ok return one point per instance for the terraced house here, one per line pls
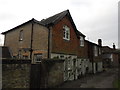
(55, 37)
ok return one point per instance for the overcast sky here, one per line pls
(94, 18)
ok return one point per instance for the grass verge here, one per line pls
(116, 84)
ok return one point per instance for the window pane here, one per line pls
(81, 41)
(67, 35)
(66, 32)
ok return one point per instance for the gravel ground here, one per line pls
(100, 80)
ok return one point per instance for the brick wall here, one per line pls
(16, 74)
(115, 60)
(40, 39)
(83, 51)
(12, 38)
(55, 73)
(23, 74)
(59, 45)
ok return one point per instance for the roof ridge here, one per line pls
(33, 19)
(56, 14)
(54, 18)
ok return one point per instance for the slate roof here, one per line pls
(79, 33)
(107, 49)
(55, 18)
(89, 42)
(32, 20)
(51, 21)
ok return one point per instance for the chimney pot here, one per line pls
(114, 46)
(100, 42)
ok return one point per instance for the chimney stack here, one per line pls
(114, 46)
(100, 42)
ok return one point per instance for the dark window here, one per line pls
(25, 57)
(37, 57)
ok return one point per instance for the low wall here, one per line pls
(55, 72)
(16, 74)
(23, 74)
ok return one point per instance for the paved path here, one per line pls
(99, 80)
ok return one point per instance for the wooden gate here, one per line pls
(35, 76)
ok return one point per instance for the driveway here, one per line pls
(100, 80)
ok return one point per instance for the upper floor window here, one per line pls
(81, 41)
(66, 32)
(21, 35)
(95, 51)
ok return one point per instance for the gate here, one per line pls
(35, 76)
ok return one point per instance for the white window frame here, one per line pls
(81, 41)
(66, 32)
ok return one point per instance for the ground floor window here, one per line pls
(19, 54)
(37, 57)
(25, 57)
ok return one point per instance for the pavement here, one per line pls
(99, 80)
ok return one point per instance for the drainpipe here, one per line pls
(31, 50)
(92, 66)
(93, 60)
(48, 42)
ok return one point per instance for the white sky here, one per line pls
(94, 18)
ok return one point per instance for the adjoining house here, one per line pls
(95, 56)
(24, 42)
(55, 37)
(110, 56)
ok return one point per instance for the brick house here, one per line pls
(21, 39)
(54, 37)
(95, 56)
(110, 56)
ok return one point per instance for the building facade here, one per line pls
(110, 56)
(55, 37)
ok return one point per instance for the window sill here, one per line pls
(81, 46)
(66, 39)
(20, 40)
(37, 61)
